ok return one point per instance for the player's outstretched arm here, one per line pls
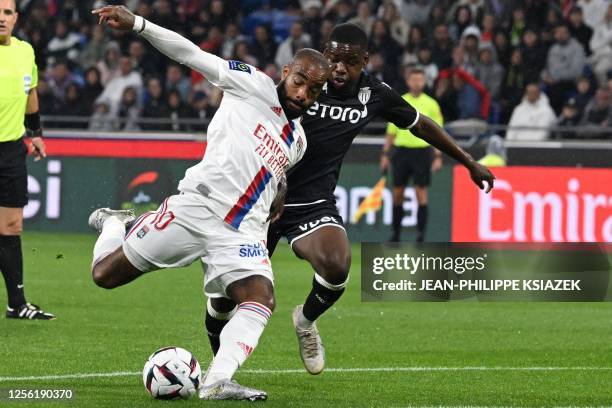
(166, 41)
(433, 134)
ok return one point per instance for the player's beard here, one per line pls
(282, 98)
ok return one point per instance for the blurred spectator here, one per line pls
(46, 99)
(296, 41)
(488, 71)
(339, 10)
(427, 65)
(446, 96)
(601, 44)
(59, 80)
(73, 105)
(176, 80)
(263, 47)
(496, 153)
(584, 93)
(570, 116)
(472, 97)
(534, 56)
(92, 88)
(488, 29)
(95, 48)
(114, 89)
(564, 65)
(382, 71)
(518, 26)
(164, 14)
(598, 111)
(461, 60)
(312, 21)
(502, 47)
(593, 11)
(242, 53)
(364, 17)
(461, 21)
(129, 111)
(143, 61)
(230, 39)
(534, 111)
(102, 119)
(219, 14)
(178, 110)
(64, 45)
(442, 47)
(579, 30)
(325, 30)
(397, 26)
(513, 85)
(418, 11)
(109, 66)
(382, 43)
(155, 104)
(470, 41)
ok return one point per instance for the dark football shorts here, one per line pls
(411, 164)
(13, 174)
(298, 222)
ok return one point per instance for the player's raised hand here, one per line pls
(480, 174)
(117, 17)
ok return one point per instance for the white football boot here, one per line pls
(231, 390)
(97, 218)
(311, 347)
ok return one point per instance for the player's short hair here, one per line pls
(410, 70)
(348, 33)
(312, 56)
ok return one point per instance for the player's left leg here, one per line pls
(328, 251)
(219, 311)
(422, 213)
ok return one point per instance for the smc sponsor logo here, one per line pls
(535, 204)
(257, 250)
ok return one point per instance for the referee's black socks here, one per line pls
(11, 265)
(421, 222)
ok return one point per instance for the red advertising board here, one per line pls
(534, 204)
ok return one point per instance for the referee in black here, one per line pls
(18, 107)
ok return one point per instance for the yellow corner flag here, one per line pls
(373, 202)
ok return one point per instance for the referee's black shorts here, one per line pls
(411, 164)
(13, 174)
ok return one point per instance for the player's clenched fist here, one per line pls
(117, 17)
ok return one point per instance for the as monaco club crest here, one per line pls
(364, 97)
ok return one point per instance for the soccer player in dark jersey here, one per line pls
(311, 222)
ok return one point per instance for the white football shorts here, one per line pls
(182, 230)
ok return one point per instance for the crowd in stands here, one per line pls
(518, 62)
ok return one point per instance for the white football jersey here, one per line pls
(251, 143)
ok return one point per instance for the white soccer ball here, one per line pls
(170, 373)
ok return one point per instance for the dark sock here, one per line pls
(421, 222)
(398, 215)
(319, 300)
(213, 328)
(11, 265)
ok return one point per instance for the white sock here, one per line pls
(111, 238)
(238, 339)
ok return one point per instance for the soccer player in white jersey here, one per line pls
(226, 201)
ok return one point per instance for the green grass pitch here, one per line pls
(408, 354)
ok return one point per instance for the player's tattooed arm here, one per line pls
(433, 134)
(117, 17)
(278, 205)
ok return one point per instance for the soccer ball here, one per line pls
(171, 372)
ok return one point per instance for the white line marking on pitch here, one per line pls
(328, 370)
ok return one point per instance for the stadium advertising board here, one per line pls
(535, 204)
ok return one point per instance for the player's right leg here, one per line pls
(110, 267)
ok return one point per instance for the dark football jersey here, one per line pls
(331, 124)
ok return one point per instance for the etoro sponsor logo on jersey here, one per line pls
(343, 114)
(257, 250)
